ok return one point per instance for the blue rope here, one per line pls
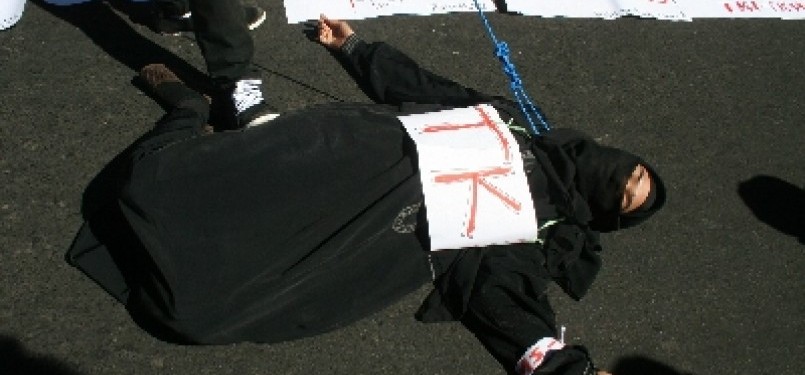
(526, 105)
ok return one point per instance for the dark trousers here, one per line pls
(222, 36)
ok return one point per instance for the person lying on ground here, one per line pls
(315, 219)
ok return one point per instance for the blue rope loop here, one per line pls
(502, 53)
(515, 82)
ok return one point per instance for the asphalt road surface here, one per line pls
(712, 285)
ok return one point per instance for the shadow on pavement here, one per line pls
(102, 24)
(15, 360)
(777, 203)
(640, 365)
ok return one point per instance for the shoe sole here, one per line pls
(259, 21)
(260, 120)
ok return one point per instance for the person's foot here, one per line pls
(170, 23)
(248, 105)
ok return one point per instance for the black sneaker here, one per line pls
(169, 22)
(248, 105)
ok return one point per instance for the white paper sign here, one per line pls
(659, 9)
(301, 11)
(743, 9)
(606, 9)
(476, 192)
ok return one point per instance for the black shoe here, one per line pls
(244, 105)
(171, 22)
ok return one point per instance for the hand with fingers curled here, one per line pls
(333, 33)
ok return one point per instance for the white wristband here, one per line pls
(535, 355)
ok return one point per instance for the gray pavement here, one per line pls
(712, 285)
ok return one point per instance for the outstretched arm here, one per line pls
(391, 76)
(510, 314)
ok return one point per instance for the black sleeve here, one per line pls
(510, 314)
(187, 114)
(391, 77)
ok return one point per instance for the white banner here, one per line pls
(301, 11)
(659, 9)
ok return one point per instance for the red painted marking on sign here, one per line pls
(787, 6)
(491, 125)
(448, 126)
(742, 6)
(505, 198)
(486, 122)
(749, 6)
(463, 176)
(477, 178)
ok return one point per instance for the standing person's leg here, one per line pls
(172, 17)
(223, 36)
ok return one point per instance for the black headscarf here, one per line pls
(587, 180)
(593, 178)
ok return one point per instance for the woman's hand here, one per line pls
(333, 33)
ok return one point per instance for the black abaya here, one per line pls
(309, 223)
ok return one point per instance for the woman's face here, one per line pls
(637, 189)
